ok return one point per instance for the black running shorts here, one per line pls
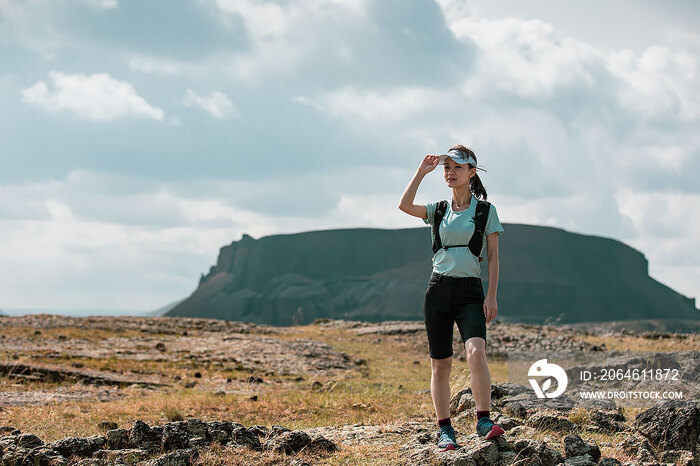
(449, 300)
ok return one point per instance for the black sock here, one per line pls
(480, 414)
(444, 422)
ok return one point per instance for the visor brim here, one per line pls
(456, 159)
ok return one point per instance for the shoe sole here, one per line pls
(448, 447)
(495, 432)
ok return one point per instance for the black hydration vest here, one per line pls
(477, 240)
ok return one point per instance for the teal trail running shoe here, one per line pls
(446, 438)
(488, 429)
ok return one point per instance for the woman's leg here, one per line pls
(479, 370)
(440, 386)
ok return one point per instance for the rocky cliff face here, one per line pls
(374, 274)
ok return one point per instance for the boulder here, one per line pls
(288, 442)
(673, 425)
(550, 421)
(78, 446)
(144, 437)
(241, 436)
(575, 446)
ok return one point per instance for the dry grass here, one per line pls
(389, 388)
(363, 454)
(639, 344)
(579, 416)
(386, 389)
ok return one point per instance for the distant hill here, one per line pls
(163, 310)
(546, 274)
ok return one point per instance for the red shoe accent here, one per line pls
(495, 432)
(448, 447)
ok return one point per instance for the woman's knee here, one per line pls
(476, 350)
(441, 367)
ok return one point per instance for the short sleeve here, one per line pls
(493, 224)
(430, 207)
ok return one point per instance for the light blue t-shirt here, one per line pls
(458, 228)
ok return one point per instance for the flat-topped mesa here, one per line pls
(375, 274)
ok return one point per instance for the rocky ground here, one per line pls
(49, 361)
(666, 434)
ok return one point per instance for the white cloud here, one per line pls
(217, 104)
(529, 58)
(660, 83)
(282, 35)
(524, 57)
(97, 97)
(668, 232)
(374, 106)
(662, 215)
(166, 66)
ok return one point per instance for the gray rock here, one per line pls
(219, 431)
(582, 460)
(608, 421)
(175, 437)
(633, 443)
(516, 409)
(175, 458)
(126, 455)
(484, 452)
(609, 462)
(420, 456)
(526, 404)
(196, 427)
(29, 441)
(533, 452)
(646, 456)
(455, 458)
(673, 425)
(288, 442)
(321, 443)
(78, 446)
(13, 455)
(550, 421)
(680, 457)
(503, 443)
(118, 439)
(259, 430)
(507, 458)
(505, 422)
(244, 437)
(144, 437)
(575, 446)
(41, 455)
(277, 430)
(200, 441)
(521, 431)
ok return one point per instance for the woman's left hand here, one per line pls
(490, 308)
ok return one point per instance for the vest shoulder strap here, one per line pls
(435, 227)
(476, 242)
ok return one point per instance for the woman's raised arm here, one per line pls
(406, 204)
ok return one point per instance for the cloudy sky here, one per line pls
(138, 137)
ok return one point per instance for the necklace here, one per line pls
(460, 210)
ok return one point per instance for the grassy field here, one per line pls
(387, 389)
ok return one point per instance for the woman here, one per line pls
(455, 292)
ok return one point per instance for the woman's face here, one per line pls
(457, 174)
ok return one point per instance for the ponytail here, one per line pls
(477, 187)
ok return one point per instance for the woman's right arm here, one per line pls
(406, 205)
